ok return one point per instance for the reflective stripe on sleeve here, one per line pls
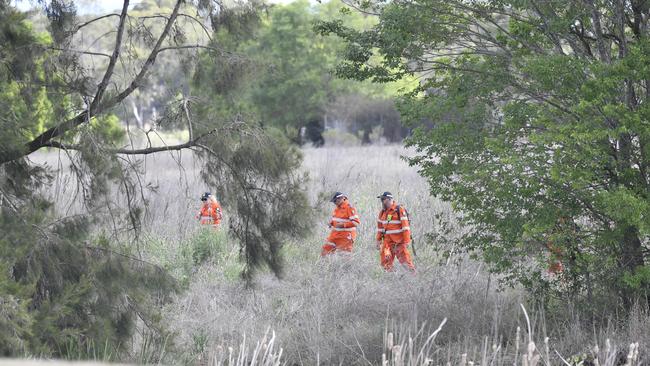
(338, 219)
(398, 231)
(344, 228)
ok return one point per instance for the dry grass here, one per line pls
(345, 309)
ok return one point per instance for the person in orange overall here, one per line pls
(393, 234)
(343, 224)
(555, 265)
(210, 213)
(562, 235)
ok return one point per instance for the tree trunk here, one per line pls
(365, 140)
(630, 258)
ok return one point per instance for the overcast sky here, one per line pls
(83, 6)
(98, 6)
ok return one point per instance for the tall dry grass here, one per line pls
(344, 309)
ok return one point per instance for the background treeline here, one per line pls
(273, 68)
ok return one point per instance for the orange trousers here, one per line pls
(390, 250)
(332, 245)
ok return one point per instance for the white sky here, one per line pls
(83, 6)
(99, 6)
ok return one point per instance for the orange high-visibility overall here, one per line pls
(210, 213)
(342, 238)
(394, 233)
(563, 232)
(555, 265)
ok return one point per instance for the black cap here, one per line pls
(337, 195)
(385, 195)
(205, 196)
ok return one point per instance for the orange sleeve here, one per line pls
(353, 217)
(380, 227)
(202, 212)
(406, 226)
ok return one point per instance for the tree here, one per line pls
(293, 83)
(71, 284)
(254, 167)
(296, 83)
(541, 134)
(362, 113)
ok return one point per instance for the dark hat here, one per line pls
(385, 195)
(337, 195)
(205, 196)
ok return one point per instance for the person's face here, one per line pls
(204, 201)
(386, 202)
(339, 200)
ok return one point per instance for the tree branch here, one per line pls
(137, 81)
(111, 64)
(149, 150)
(197, 46)
(79, 51)
(598, 31)
(96, 108)
(94, 20)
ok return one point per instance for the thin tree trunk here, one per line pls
(631, 257)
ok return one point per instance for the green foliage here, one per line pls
(62, 290)
(108, 128)
(297, 84)
(25, 108)
(257, 178)
(341, 138)
(536, 132)
(279, 71)
(208, 243)
(77, 286)
(251, 164)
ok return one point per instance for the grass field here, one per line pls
(345, 309)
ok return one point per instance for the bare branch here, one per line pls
(111, 64)
(193, 18)
(196, 46)
(94, 20)
(79, 51)
(359, 9)
(137, 81)
(145, 151)
(595, 17)
(150, 150)
(189, 120)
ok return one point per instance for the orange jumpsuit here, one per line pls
(555, 260)
(562, 235)
(394, 233)
(210, 213)
(342, 238)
